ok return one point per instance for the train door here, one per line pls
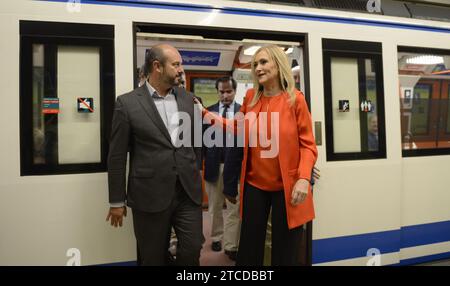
(424, 79)
(424, 94)
(354, 154)
(207, 57)
(444, 112)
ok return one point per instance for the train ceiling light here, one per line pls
(251, 50)
(426, 60)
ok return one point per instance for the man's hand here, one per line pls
(116, 215)
(299, 192)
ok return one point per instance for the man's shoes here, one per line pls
(231, 254)
(216, 246)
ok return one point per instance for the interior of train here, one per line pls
(424, 94)
(207, 58)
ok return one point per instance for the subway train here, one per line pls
(378, 88)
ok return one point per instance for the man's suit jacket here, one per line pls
(232, 171)
(372, 141)
(155, 163)
(232, 160)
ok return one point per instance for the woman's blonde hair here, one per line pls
(286, 78)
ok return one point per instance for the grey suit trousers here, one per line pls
(152, 231)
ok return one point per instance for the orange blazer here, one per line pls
(297, 152)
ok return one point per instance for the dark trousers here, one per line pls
(285, 242)
(152, 231)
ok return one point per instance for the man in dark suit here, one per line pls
(164, 182)
(220, 168)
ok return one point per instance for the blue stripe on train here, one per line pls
(354, 246)
(422, 234)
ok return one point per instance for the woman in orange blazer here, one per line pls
(275, 175)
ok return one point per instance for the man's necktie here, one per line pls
(225, 110)
(224, 115)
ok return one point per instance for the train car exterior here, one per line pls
(385, 209)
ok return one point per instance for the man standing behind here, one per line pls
(164, 182)
(220, 167)
(372, 137)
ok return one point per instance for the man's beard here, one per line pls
(172, 81)
(177, 81)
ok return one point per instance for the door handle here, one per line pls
(318, 132)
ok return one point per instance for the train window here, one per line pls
(424, 101)
(66, 97)
(447, 130)
(354, 100)
(203, 85)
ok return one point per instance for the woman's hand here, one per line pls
(299, 192)
(198, 104)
